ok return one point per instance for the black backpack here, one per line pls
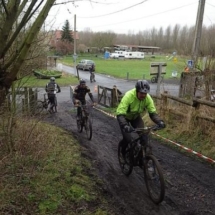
(51, 87)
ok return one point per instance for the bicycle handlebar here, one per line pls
(147, 129)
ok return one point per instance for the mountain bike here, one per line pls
(139, 153)
(42, 104)
(84, 121)
(46, 104)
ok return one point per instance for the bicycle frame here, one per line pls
(142, 156)
(85, 121)
(145, 147)
(84, 114)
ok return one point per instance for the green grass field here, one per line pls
(133, 69)
(33, 81)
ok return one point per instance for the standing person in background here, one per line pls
(79, 95)
(92, 73)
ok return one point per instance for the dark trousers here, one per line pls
(51, 98)
(127, 137)
(83, 102)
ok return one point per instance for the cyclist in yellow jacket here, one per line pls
(133, 103)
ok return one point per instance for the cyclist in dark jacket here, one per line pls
(133, 103)
(79, 95)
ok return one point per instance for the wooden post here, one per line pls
(105, 95)
(35, 95)
(23, 106)
(26, 99)
(114, 96)
(31, 101)
(13, 93)
(159, 80)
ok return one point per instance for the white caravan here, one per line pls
(134, 55)
(127, 54)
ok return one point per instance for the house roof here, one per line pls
(136, 46)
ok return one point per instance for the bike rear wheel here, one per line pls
(88, 128)
(154, 79)
(154, 179)
(125, 159)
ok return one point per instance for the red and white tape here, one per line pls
(177, 144)
(109, 114)
(187, 149)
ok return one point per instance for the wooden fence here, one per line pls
(188, 111)
(22, 99)
(109, 97)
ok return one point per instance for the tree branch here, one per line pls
(5, 7)
(25, 19)
(8, 24)
(29, 39)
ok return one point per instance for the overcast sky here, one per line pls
(126, 16)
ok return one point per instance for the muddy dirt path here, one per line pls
(190, 183)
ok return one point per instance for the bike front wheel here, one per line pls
(125, 159)
(40, 106)
(154, 179)
(88, 128)
(79, 125)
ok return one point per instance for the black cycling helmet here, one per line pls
(142, 86)
(82, 81)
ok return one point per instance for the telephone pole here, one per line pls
(75, 55)
(198, 32)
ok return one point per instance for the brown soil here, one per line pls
(190, 182)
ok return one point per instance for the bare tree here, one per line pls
(175, 36)
(15, 40)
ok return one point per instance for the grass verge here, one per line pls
(47, 174)
(33, 81)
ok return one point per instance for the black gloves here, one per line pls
(161, 124)
(127, 129)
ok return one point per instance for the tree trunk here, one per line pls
(10, 69)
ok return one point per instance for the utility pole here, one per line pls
(198, 32)
(75, 55)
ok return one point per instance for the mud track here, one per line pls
(190, 183)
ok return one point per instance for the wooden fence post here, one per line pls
(191, 117)
(114, 96)
(32, 104)
(164, 104)
(25, 99)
